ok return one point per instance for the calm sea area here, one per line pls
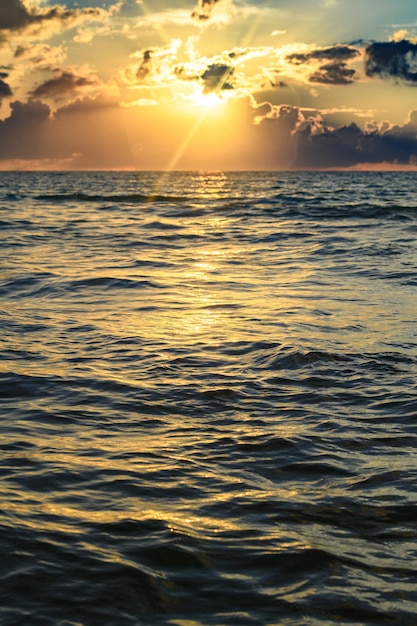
(208, 399)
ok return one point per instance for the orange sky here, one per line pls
(134, 84)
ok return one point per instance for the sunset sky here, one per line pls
(221, 84)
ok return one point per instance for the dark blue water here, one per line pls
(208, 399)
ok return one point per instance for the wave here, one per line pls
(110, 283)
(131, 198)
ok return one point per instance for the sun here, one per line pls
(210, 100)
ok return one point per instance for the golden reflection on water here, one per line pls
(211, 185)
(119, 455)
(35, 514)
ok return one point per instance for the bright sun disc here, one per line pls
(207, 100)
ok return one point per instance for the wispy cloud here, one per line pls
(39, 56)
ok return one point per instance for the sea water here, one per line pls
(208, 399)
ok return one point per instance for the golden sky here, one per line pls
(217, 84)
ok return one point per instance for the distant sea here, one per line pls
(208, 399)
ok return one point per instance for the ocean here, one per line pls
(208, 399)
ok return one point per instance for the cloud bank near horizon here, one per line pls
(279, 137)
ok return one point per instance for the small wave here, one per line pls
(220, 394)
(221, 307)
(13, 384)
(290, 358)
(132, 198)
(110, 283)
(27, 285)
(291, 207)
(156, 225)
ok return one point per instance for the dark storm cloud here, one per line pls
(65, 82)
(204, 9)
(33, 132)
(216, 77)
(392, 59)
(13, 15)
(347, 146)
(310, 144)
(21, 133)
(335, 70)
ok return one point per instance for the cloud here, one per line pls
(204, 9)
(216, 77)
(399, 35)
(210, 9)
(392, 59)
(38, 56)
(21, 133)
(334, 71)
(287, 137)
(84, 133)
(66, 82)
(16, 18)
(221, 72)
(91, 133)
(156, 66)
(240, 70)
(284, 116)
(13, 15)
(86, 106)
(319, 146)
(213, 75)
(161, 68)
(145, 66)
(333, 74)
(335, 53)
(5, 90)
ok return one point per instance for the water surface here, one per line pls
(208, 399)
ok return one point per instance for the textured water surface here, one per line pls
(208, 399)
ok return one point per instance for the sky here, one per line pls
(208, 84)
